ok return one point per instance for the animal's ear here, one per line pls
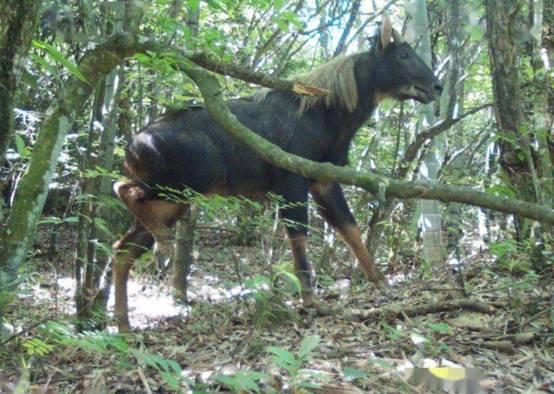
(397, 36)
(386, 31)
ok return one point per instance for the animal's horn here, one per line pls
(386, 31)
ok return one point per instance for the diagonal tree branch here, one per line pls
(382, 187)
(355, 9)
(228, 69)
(433, 131)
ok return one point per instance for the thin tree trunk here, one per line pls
(453, 101)
(430, 219)
(186, 226)
(184, 258)
(90, 299)
(516, 154)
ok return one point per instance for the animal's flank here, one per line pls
(338, 78)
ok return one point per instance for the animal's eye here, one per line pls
(403, 55)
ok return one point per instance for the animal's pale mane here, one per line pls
(336, 76)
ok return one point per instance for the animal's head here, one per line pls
(401, 73)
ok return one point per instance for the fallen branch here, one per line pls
(400, 311)
(501, 346)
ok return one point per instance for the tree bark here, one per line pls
(18, 21)
(451, 102)
(515, 151)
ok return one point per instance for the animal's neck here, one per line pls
(346, 122)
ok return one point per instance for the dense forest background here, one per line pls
(470, 286)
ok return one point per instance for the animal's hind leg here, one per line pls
(137, 241)
(334, 209)
(156, 215)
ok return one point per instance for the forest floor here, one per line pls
(233, 338)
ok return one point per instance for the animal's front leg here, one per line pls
(295, 215)
(335, 210)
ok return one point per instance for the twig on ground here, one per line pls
(144, 380)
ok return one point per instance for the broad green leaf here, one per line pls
(174, 366)
(308, 344)
(170, 379)
(246, 382)
(282, 355)
(293, 279)
(228, 381)
(20, 145)
(353, 374)
(60, 58)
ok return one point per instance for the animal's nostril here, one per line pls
(438, 87)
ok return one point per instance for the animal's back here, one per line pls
(187, 147)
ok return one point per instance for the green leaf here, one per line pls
(309, 385)
(353, 374)
(39, 60)
(501, 191)
(308, 344)
(193, 4)
(175, 366)
(50, 220)
(60, 58)
(228, 381)
(170, 379)
(20, 145)
(283, 357)
(442, 328)
(103, 226)
(246, 382)
(293, 279)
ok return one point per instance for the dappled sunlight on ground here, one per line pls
(149, 301)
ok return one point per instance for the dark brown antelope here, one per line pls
(187, 149)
